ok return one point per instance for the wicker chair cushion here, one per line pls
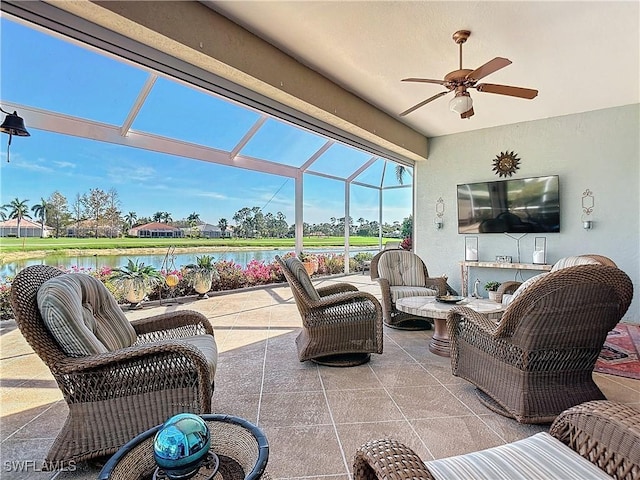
(573, 261)
(207, 345)
(402, 292)
(297, 268)
(401, 267)
(539, 457)
(83, 316)
(507, 299)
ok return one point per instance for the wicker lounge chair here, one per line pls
(341, 326)
(115, 394)
(539, 359)
(598, 434)
(400, 274)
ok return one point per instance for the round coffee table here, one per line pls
(430, 308)
(242, 448)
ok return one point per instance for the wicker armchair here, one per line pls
(400, 274)
(538, 360)
(506, 290)
(607, 434)
(114, 396)
(341, 326)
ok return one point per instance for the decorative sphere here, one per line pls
(172, 280)
(181, 444)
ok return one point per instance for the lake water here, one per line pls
(95, 262)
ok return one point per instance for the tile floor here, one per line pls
(314, 417)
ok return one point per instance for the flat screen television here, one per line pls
(522, 205)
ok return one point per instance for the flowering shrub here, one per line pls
(259, 273)
(6, 313)
(230, 276)
(406, 244)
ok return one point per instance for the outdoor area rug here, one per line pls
(619, 355)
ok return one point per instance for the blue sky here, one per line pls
(45, 72)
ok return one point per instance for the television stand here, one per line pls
(466, 265)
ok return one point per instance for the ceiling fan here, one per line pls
(462, 79)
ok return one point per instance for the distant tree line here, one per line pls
(97, 213)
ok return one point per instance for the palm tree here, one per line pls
(193, 218)
(223, 224)
(130, 219)
(166, 217)
(157, 216)
(40, 211)
(18, 210)
(3, 215)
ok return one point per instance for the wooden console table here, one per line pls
(464, 270)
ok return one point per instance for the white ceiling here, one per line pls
(580, 56)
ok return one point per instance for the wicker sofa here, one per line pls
(118, 378)
(538, 360)
(341, 326)
(598, 439)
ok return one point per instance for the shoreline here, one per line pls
(17, 256)
(35, 254)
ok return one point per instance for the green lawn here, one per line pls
(8, 245)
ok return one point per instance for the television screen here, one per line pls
(526, 205)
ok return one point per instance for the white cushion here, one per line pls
(539, 457)
(573, 261)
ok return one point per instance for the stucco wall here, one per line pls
(597, 150)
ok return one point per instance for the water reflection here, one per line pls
(96, 262)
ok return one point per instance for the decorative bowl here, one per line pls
(449, 299)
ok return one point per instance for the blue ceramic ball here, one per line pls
(181, 444)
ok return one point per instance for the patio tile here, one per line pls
(349, 378)
(370, 405)
(26, 458)
(310, 451)
(353, 435)
(294, 409)
(291, 379)
(448, 436)
(243, 406)
(409, 375)
(315, 417)
(427, 402)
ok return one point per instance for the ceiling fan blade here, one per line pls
(424, 80)
(467, 114)
(527, 93)
(488, 68)
(422, 104)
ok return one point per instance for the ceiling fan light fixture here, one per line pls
(461, 103)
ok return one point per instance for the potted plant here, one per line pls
(492, 289)
(310, 262)
(135, 281)
(200, 274)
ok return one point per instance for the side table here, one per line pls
(240, 445)
(429, 307)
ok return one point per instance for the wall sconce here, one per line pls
(439, 220)
(588, 202)
(13, 125)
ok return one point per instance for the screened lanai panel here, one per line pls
(340, 161)
(281, 142)
(177, 111)
(64, 77)
(373, 174)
